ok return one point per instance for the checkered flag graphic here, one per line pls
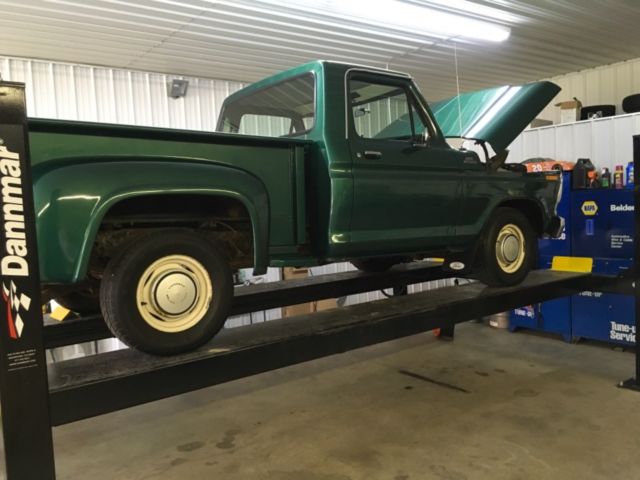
(15, 302)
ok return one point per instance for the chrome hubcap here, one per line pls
(174, 293)
(510, 248)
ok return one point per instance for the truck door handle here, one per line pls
(370, 155)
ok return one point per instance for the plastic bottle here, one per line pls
(629, 175)
(618, 177)
(605, 178)
(579, 176)
(594, 182)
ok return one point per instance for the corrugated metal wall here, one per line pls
(606, 141)
(608, 84)
(110, 95)
(376, 295)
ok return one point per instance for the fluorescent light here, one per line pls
(470, 8)
(400, 16)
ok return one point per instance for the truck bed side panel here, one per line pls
(271, 162)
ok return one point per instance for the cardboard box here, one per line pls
(290, 273)
(570, 110)
(540, 122)
(301, 309)
(326, 304)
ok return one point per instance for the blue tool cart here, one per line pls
(602, 223)
(603, 227)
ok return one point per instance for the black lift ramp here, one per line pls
(253, 298)
(111, 381)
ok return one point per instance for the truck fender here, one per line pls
(73, 195)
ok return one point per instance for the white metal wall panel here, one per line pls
(109, 95)
(272, 275)
(608, 84)
(375, 295)
(606, 141)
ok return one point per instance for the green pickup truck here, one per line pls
(325, 162)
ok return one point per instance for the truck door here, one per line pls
(406, 184)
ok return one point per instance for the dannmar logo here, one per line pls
(15, 302)
(14, 263)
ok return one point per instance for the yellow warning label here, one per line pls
(589, 208)
(572, 264)
(60, 313)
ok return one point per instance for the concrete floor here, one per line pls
(491, 405)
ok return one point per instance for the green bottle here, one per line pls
(605, 178)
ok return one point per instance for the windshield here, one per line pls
(286, 109)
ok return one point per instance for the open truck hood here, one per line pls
(495, 115)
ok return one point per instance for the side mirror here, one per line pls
(422, 139)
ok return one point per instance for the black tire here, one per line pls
(375, 265)
(631, 104)
(190, 260)
(489, 268)
(84, 301)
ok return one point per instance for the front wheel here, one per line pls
(507, 249)
(167, 293)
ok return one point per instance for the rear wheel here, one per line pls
(507, 249)
(168, 293)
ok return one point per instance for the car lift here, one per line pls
(34, 397)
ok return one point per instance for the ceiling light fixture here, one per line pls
(400, 16)
(471, 9)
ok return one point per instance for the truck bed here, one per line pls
(272, 160)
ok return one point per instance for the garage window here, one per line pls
(286, 109)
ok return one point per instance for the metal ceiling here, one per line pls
(231, 40)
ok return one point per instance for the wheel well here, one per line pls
(223, 219)
(153, 206)
(530, 209)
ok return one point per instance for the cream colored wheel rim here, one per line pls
(510, 248)
(174, 293)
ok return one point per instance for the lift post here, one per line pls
(24, 397)
(634, 382)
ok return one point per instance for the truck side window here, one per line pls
(285, 109)
(383, 111)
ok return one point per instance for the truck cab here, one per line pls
(382, 179)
